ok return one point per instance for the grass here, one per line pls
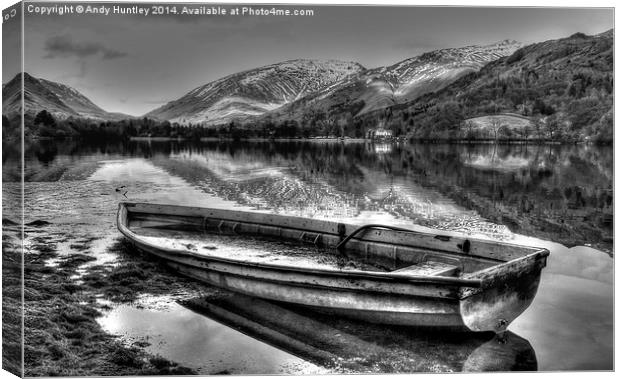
(62, 336)
(127, 280)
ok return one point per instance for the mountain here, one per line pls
(432, 71)
(404, 81)
(256, 91)
(60, 100)
(292, 88)
(566, 85)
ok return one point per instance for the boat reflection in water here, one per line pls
(351, 346)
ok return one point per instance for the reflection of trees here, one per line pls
(558, 192)
(562, 192)
(47, 160)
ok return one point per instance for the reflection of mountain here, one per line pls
(350, 346)
(302, 184)
(560, 193)
(261, 183)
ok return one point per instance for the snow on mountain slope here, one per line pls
(60, 100)
(402, 82)
(36, 97)
(256, 91)
(432, 71)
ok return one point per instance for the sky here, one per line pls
(133, 64)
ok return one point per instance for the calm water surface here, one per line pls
(558, 197)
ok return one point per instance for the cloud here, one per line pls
(64, 46)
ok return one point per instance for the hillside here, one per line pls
(255, 92)
(383, 87)
(302, 88)
(564, 86)
(563, 89)
(58, 99)
(432, 71)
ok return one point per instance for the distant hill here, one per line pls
(255, 91)
(302, 88)
(565, 86)
(404, 81)
(60, 100)
(563, 89)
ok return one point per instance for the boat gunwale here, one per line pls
(533, 250)
(391, 276)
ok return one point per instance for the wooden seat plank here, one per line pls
(430, 268)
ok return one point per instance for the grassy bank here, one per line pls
(11, 301)
(62, 336)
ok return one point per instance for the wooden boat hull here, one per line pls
(483, 303)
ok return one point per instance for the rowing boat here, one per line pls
(375, 273)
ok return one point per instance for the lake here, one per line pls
(553, 196)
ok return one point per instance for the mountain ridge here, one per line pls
(565, 86)
(386, 86)
(227, 99)
(255, 91)
(61, 100)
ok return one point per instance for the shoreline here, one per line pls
(63, 305)
(371, 141)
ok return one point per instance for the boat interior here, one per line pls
(292, 241)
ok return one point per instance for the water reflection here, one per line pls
(236, 334)
(203, 344)
(346, 345)
(549, 196)
(562, 193)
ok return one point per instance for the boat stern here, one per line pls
(507, 291)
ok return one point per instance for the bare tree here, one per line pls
(538, 125)
(469, 126)
(527, 131)
(496, 126)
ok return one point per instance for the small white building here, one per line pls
(379, 133)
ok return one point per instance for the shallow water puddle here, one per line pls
(198, 342)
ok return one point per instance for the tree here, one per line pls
(527, 131)
(538, 125)
(552, 126)
(45, 118)
(496, 125)
(469, 127)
